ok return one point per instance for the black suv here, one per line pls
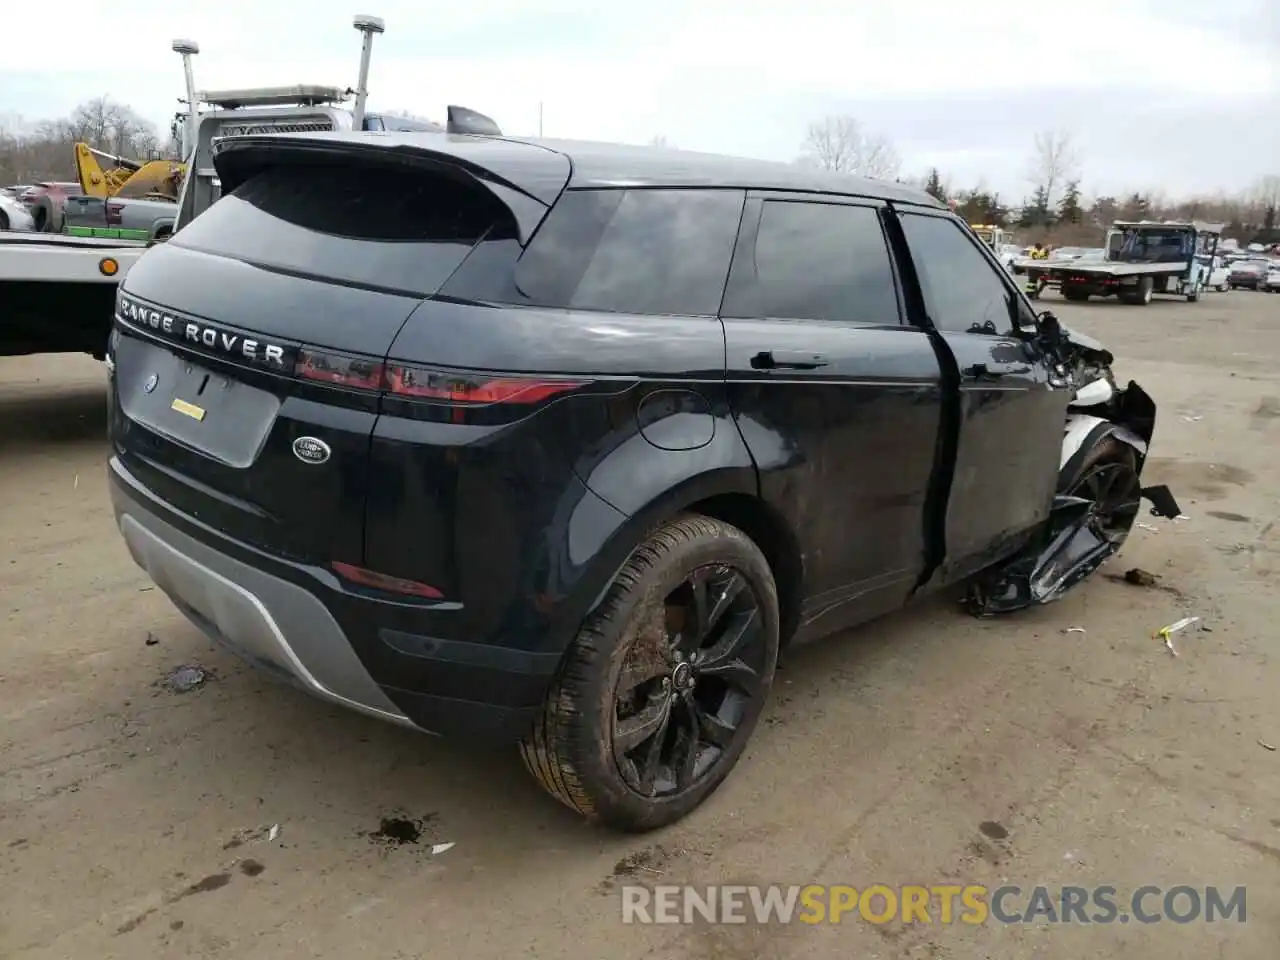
(558, 443)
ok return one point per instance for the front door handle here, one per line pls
(983, 371)
(787, 360)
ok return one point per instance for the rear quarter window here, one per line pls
(641, 251)
(395, 229)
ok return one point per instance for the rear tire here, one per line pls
(600, 742)
(4, 220)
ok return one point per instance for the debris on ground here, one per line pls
(438, 848)
(1075, 630)
(254, 835)
(1148, 526)
(399, 831)
(152, 639)
(1139, 577)
(1267, 746)
(1166, 633)
(1191, 419)
(186, 678)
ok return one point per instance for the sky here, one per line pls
(1177, 96)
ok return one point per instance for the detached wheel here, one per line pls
(1108, 476)
(665, 682)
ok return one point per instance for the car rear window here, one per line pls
(393, 229)
(645, 251)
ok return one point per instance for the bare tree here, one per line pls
(1054, 161)
(1266, 192)
(841, 144)
(660, 140)
(44, 151)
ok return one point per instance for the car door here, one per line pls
(837, 398)
(1009, 418)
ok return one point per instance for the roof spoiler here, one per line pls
(465, 120)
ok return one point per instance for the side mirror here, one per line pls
(1049, 326)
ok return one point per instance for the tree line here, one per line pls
(43, 150)
(1055, 208)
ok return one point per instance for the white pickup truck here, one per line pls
(1144, 258)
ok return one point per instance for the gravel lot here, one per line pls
(137, 822)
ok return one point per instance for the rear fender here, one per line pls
(647, 485)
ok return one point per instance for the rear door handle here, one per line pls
(787, 360)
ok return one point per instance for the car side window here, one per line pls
(646, 251)
(963, 291)
(815, 261)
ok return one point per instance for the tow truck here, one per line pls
(1144, 258)
(999, 240)
(57, 292)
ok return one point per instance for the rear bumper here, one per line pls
(284, 620)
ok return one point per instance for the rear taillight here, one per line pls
(357, 373)
(115, 214)
(419, 383)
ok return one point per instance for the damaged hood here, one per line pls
(1081, 344)
(1091, 349)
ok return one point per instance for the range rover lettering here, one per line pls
(559, 444)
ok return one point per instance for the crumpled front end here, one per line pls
(1079, 535)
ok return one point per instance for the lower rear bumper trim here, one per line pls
(244, 608)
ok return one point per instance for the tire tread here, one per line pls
(559, 737)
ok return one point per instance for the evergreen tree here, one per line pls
(1069, 210)
(933, 186)
(1036, 212)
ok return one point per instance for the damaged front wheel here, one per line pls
(1096, 507)
(1108, 478)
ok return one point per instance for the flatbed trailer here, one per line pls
(1144, 258)
(57, 292)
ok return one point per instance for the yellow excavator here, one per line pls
(152, 179)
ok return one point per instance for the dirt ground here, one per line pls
(137, 822)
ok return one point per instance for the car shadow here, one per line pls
(52, 415)
(276, 739)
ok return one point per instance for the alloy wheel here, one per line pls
(1116, 492)
(688, 682)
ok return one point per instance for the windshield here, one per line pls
(1155, 246)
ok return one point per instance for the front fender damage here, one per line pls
(1067, 548)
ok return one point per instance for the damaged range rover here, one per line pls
(559, 444)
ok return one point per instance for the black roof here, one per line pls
(614, 164)
(538, 166)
